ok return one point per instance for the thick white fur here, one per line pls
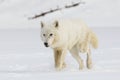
(72, 35)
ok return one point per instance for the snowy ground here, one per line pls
(24, 57)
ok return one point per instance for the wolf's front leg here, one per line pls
(56, 58)
(59, 56)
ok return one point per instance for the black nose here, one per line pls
(46, 44)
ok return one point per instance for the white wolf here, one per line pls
(72, 35)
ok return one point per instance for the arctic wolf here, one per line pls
(72, 35)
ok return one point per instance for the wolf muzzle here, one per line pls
(46, 44)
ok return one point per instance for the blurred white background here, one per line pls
(96, 13)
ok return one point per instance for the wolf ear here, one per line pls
(56, 24)
(42, 24)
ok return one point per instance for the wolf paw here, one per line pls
(89, 64)
(81, 66)
(60, 67)
(64, 65)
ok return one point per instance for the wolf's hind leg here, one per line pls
(89, 59)
(75, 53)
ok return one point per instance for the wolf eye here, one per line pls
(51, 34)
(43, 34)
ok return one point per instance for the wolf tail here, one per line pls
(94, 40)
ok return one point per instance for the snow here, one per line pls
(24, 57)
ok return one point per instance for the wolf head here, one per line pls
(49, 33)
